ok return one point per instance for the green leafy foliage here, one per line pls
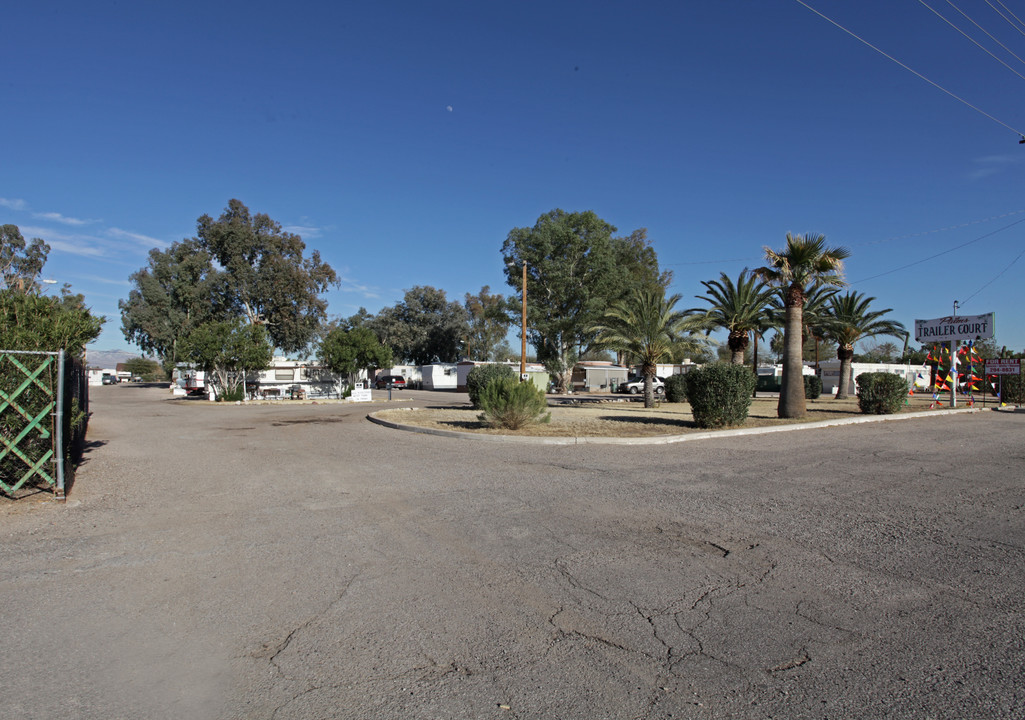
(489, 316)
(881, 393)
(720, 394)
(228, 351)
(812, 386)
(29, 321)
(676, 388)
(20, 262)
(1013, 387)
(576, 270)
(510, 404)
(348, 352)
(424, 328)
(173, 295)
(479, 377)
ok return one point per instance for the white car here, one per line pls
(635, 385)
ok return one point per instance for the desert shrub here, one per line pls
(236, 394)
(481, 375)
(720, 394)
(1013, 388)
(510, 404)
(676, 388)
(768, 383)
(881, 393)
(812, 386)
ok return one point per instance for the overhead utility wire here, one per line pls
(910, 70)
(1006, 19)
(988, 34)
(997, 277)
(971, 39)
(939, 254)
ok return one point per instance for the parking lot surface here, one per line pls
(297, 561)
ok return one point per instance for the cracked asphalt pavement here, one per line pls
(299, 561)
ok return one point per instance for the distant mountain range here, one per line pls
(108, 358)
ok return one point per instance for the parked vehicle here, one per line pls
(109, 379)
(635, 385)
(393, 381)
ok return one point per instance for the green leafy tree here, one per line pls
(805, 263)
(646, 326)
(30, 321)
(266, 277)
(576, 270)
(741, 308)
(229, 350)
(850, 320)
(173, 295)
(424, 327)
(144, 368)
(346, 352)
(489, 318)
(20, 263)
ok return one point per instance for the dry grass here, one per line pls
(627, 419)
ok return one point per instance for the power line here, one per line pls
(939, 254)
(988, 34)
(971, 39)
(1006, 19)
(996, 277)
(910, 70)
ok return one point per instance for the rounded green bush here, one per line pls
(812, 386)
(676, 388)
(881, 393)
(481, 375)
(720, 394)
(511, 404)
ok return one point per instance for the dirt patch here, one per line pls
(618, 419)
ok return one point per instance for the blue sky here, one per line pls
(404, 140)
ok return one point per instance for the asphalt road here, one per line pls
(222, 561)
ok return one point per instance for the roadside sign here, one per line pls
(954, 327)
(1003, 366)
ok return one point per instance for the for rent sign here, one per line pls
(1003, 366)
(954, 327)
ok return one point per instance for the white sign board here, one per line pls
(361, 395)
(954, 327)
(1003, 366)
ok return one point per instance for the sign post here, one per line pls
(952, 329)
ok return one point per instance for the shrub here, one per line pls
(812, 386)
(881, 393)
(511, 404)
(720, 394)
(1013, 388)
(676, 388)
(481, 375)
(236, 394)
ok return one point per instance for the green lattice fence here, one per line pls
(43, 403)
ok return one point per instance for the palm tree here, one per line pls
(847, 321)
(805, 263)
(816, 308)
(646, 326)
(739, 308)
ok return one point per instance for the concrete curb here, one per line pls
(660, 439)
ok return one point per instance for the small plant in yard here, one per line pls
(881, 393)
(676, 388)
(510, 404)
(812, 386)
(479, 377)
(720, 394)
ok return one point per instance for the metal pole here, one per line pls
(953, 372)
(58, 432)
(523, 329)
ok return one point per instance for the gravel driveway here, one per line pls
(222, 561)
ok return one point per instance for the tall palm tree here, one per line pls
(739, 308)
(849, 320)
(805, 263)
(816, 308)
(646, 326)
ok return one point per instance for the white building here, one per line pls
(916, 375)
(439, 376)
